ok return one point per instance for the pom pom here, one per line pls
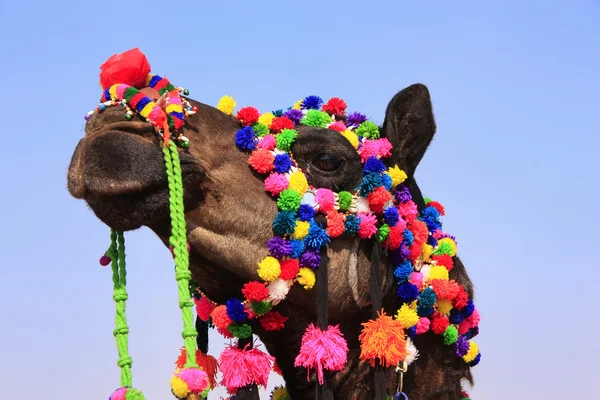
(326, 200)
(220, 317)
(322, 350)
(301, 230)
(242, 331)
(375, 148)
(284, 223)
(383, 233)
(276, 183)
(311, 103)
(261, 161)
(446, 246)
(278, 289)
(306, 277)
(285, 139)
(423, 325)
(416, 278)
(475, 361)
(368, 130)
(269, 269)
(242, 367)
(461, 346)
(260, 130)
(472, 352)
(398, 176)
(335, 106)
(297, 248)
(445, 289)
(294, 115)
(204, 307)
(298, 182)
(383, 339)
(402, 194)
(396, 236)
(206, 362)
(355, 119)
(367, 227)
(248, 115)
(279, 247)
(306, 212)
(378, 198)
(450, 335)
(130, 68)
(261, 307)
(289, 200)
(438, 272)
(403, 271)
(279, 393)
(235, 311)
(391, 216)
(226, 105)
(268, 143)
(439, 324)
(273, 321)
(255, 291)
(407, 316)
(427, 298)
(266, 119)
(351, 224)
(317, 236)
(316, 118)
(189, 381)
(311, 259)
(281, 123)
(245, 139)
(335, 224)
(105, 260)
(440, 208)
(443, 259)
(412, 352)
(351, 137)
(127, 393)
(337, 126)
(369, 183)
(407, 292)
(289, 269)
(345, 200)
(461, 299)
(408, 210)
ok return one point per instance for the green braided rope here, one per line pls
(116, 252)
(178, 240)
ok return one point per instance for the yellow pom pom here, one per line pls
(269, 269)
(297, 104)
(407, 316)
(179, 387)
(280, 393)
(351, 136)
(226, 105)
(306, 277)
(427, 250)
(413, 305)
(472, 353)
(398, 176)
(438, 272)
(298, 182)
(444, 306)
(301, 230)
(266, 119)
(451, 243)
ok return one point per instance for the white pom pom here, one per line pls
(412, 351)
(278, 290)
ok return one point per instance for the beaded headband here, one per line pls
(381, 210)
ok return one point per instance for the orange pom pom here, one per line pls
(206, 362)
(262, 160)
(383, 339)
(335, 223)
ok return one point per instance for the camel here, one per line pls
(117, 168)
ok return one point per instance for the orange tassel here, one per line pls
(206, 362)
(383, 339)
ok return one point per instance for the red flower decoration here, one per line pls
(255, 291)
(273, 321)
(280, 123)
(131, 68)
(335, 106)
(248, 115)
(289, 269)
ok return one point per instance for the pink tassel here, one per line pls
(322, 349)
(244, 367)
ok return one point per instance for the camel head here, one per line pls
(118, 169)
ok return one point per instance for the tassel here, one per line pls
(206, 362)
(322, 350)
(243, 367)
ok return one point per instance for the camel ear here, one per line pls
(409, 126)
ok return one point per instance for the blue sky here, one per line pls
(515, 91)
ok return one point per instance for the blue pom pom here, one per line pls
(282, 163)
(408, 237)
(317, 236)
(369, 183)
(306, 212)
(471, 333)
(467, 310)
(391, 216)
(407, 292)
(403, 271)
(475, 360)
(277, 113)
(312, 103)
(297, 248)
(235, 311)
(431, 216)
(373, 165)
(455, 317)
(351, 225)
(412, 332)
(245, 139)
(427, 298)
(432, 241)
(387, 181)
(424, 311)
(284, 223)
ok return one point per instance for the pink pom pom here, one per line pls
(464, 326)
(408, 210)
(276, 183)
(375, 148)
(423, 325)
(322, 350)
(338, 126)
(244, 367)
(196, 379)
(416, 278)
(105, 260)
(475, 318)
(367, 227)
(119, 394)
(267, 143)
(326, 200)
(204, 307)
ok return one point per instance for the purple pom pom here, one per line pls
(402, 194)
(355, 119)
(310, 259)
(462, 346)
(294, 115)
(279, 247)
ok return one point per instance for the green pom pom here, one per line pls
(443, 248)
(383, 233)
(427, 200)
(240, 331)
(134, 394)
(289, 199)
(316, 118)
(450, 335)
(286, 138)
(368, 130)
(345, 200)
(261, 130)
(261, 307)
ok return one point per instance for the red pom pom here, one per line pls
(461, 299)
(130, 67)
(280, 123)
(419, 230)
(262, 161)
(225, 333)
(220, 318)
(416, 250)
(273, 321)
(338, 126)
(105, 260)
(335, 106)
(445, 289)
(378, 198)
(394, 239)
(439, 324)
(438, 207)
(335, 224)
(289, 269)
(322, 350)
(444, 260)
(248, 115)
(255, 291)
(204, 307)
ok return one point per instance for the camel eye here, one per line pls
(327, 163)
